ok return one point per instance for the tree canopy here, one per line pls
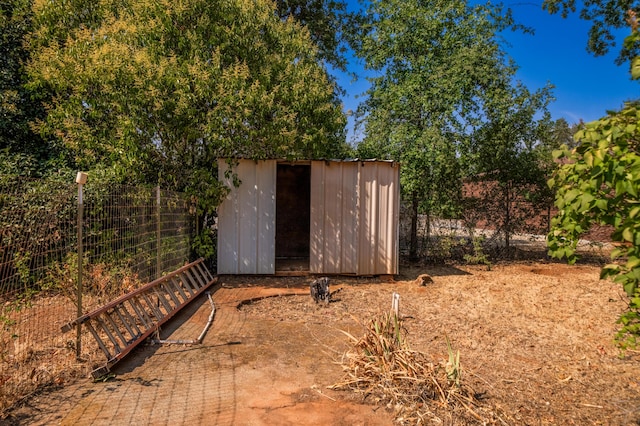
(328, 21)
(156, 90)
(20, 148)
(443, 80)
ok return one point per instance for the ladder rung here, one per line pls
(163, 301)
(201, 276)
(187, 283)
(127, 321)
(116, 329)
(98, 340)
(178, 286)
(194, 279)
(171, 293)
(105, 328)
(155, 310)
(140, 312)
(205, 272)
(184, 283)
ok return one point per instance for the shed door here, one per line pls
(354, 218)
(379, 204)
(246, 219)
(334, 218)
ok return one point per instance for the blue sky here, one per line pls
(585, 86)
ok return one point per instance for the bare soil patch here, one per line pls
(536, 344)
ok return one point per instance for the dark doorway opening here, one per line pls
(293, 217)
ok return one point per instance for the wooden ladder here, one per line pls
(122, 324)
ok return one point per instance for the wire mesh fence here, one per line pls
(56, 238)
(488, 230)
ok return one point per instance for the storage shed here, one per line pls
(324, 217)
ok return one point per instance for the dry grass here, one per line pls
(535, 339)
(36, 355)
(384, 369)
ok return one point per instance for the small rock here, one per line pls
(423, 280)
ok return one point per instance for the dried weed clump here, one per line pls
(384, 370)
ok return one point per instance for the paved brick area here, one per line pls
(171, 384)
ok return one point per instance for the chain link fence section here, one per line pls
(130, 236)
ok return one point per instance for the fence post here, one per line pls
(81, 179)
(158, 229)
(395, 304)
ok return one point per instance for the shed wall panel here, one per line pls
(227, 226)
(246, 224)
(333, 239)
(378, 216)
(349, 258)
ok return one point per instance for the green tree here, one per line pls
(327, 22)
(598, 182)
(561, 133)
(22, 151)
(439, 64)
(509, 164)
(157, 90)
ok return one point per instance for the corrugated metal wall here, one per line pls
(246, 219)
(378, 250)
(334, 218)
(354, 217)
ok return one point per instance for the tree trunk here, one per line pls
(413, 241)
(507, 218)
(427, 224)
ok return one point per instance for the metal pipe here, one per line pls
(81, 179)
(210, 321)
(158, 234)
(201, 337)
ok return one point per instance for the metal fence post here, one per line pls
(158, 229)
(81, 179)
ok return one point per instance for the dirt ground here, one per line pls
(535, 342)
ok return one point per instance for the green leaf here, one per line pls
(602, 204)
(585, 201)
(630, 188)
(609, 270)
(615, 253)
(588, 158)
(571, 195)
(630, 287)
(632, 262)
(635, 68)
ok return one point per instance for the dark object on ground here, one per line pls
(423, 279)
(320, 290)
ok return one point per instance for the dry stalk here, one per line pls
(382, 367)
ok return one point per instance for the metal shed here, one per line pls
(324, 217)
